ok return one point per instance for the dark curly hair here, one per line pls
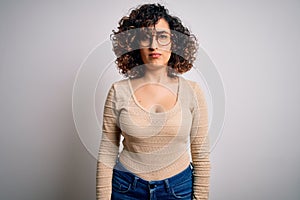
(125, 43)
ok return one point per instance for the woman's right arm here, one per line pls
(109, 147)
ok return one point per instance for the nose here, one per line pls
(154, 43)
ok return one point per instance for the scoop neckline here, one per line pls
(157, 113)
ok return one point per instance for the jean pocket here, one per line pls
(119, 183)
(183, 190)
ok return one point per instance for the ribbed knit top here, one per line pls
(156, 145)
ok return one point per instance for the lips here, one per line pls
(154, 55)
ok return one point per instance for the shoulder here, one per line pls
(193, 93)
(191, 86)
(120, 89)
(119, 82)
(119, 85)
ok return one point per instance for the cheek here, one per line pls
(143, 53)
(168, 52)
(168, 56)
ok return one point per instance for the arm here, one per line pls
(109, 147)
(200, 145)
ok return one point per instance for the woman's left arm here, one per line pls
(200, 145)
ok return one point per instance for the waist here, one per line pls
(153, 170)
(177, 178)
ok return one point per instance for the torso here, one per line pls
(155, 144)
(155, 97)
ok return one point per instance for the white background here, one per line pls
(254, 44)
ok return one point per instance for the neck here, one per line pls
(158, 75)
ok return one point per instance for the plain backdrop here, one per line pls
(255, 46)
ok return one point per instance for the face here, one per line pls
(155, 47)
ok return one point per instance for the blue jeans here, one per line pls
(127, 186)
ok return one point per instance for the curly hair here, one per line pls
(125, 43)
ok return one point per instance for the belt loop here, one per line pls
(192, 167)
(134, 182)
(191, 164)
(167, 185)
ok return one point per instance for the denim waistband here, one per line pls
(178, 178)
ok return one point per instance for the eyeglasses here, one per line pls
(163, 38)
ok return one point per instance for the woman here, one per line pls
(162, 116)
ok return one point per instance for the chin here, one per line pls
(156, 64)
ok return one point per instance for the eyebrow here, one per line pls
(162, 32)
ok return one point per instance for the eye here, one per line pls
(163, 37)
(144, 37)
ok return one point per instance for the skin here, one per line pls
(165, 51)
(156, 91)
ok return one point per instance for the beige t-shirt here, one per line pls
(156, 145)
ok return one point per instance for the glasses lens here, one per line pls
(163, 38)
(145, 37)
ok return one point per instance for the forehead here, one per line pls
(161, 26)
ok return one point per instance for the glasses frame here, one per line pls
(156, 38)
